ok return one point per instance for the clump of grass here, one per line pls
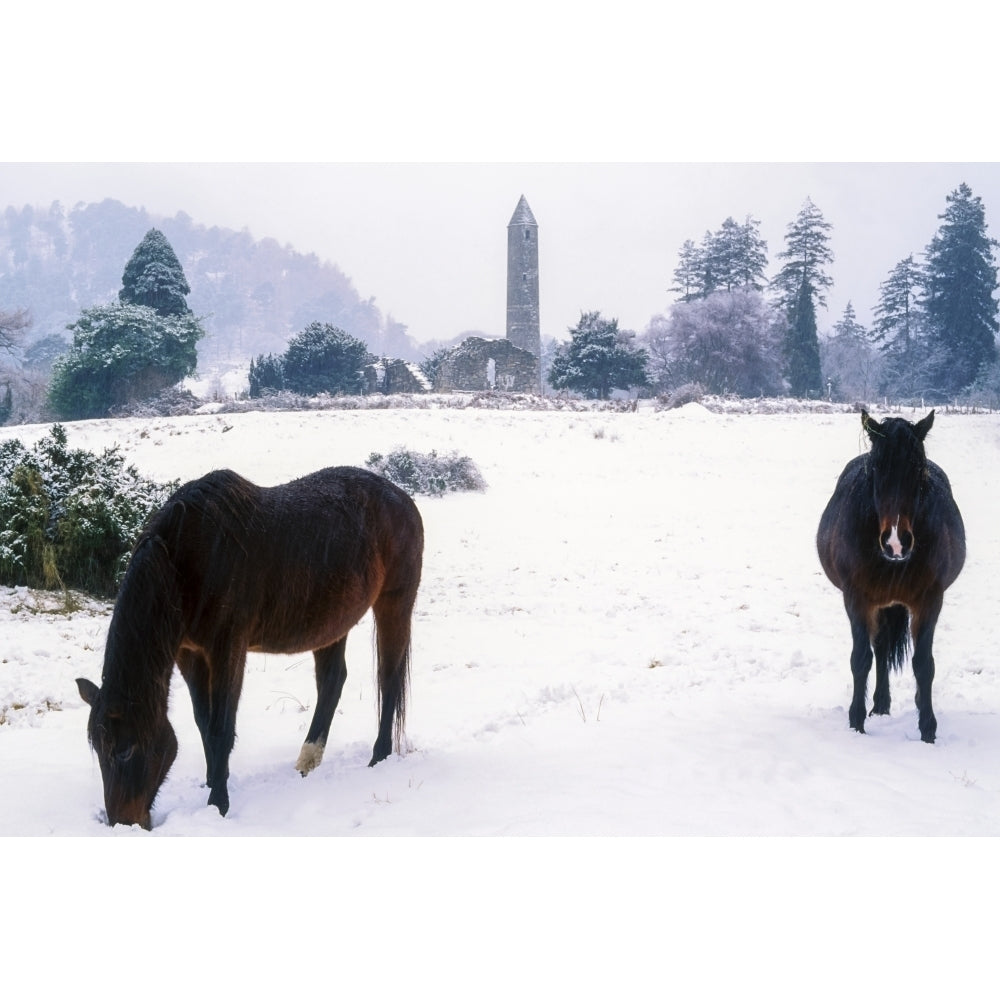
(428, 474)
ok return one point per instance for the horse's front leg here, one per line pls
(226, 682)
(861, 665)
(331, 672)
(923, 670)
(195, 671)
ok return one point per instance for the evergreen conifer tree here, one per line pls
(799, 285)
(807, 252)
(324, 358)
(896, 315)
(598, 358)
(154, 277)
(802, 346)
(121, 354)
(961, 277)
(689, 273)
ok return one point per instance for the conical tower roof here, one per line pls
(522, 215)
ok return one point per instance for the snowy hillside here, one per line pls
(627, 633)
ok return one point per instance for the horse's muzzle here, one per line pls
(896, 542)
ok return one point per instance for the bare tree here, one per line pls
(13, 326)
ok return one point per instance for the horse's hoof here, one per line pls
(220, 800)
(309, 757)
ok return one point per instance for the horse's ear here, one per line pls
(923, 426)
(88, 690)
(871, 426)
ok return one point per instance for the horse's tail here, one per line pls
(392, 647)
(399, 682)
(892, 641)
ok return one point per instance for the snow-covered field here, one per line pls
(628, 633)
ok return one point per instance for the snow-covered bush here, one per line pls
(431, 474)
(690, 392)
(69, 518)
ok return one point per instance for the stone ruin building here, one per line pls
(514, 364)
(391, 375)
(480, 365)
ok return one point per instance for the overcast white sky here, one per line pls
(595, 117)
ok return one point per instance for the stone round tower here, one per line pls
(523, 329)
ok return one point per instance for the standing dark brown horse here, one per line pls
(892, 539)
(226, 567)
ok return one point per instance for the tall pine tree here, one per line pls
(799, 285)
(898, 310)
(689, 273)
(807, 252)
(802, 346)
(961, 277)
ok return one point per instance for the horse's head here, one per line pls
(898, 470)
(133, 763)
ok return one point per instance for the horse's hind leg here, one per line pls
(331, 672)
(861, 664)
(392, 624)
(923, 669)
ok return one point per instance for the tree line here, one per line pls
(730, 331)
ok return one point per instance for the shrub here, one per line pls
(430, 474)
(69, 518)
(690, 392)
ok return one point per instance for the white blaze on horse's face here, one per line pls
(897, 542)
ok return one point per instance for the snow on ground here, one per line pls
(627, 633)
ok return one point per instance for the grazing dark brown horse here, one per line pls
(892, 539)
(227, 567)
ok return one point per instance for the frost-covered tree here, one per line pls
(324, 358)
(751, 256)
(13, 327)
(850, 362)
(737, 255)
(908, 362)
(598, 358)
(154, 277)
(121, 354)
(729, 342)
(732, 257)
(656, 342)
(14, 324)
(689, 273)
(898, 310)
(960, 281)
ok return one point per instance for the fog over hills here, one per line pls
(252, 294)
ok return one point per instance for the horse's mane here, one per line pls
(143, 636)
(147, 624)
